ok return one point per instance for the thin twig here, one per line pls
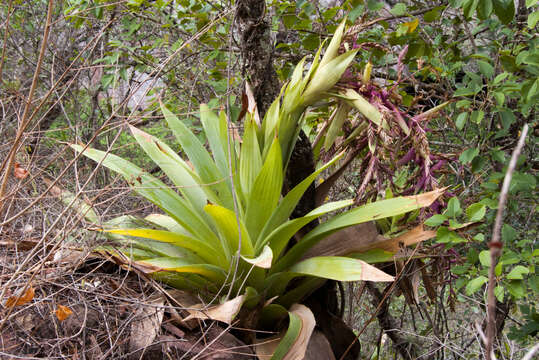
(496, 244)
(6, 31)
(24, 118)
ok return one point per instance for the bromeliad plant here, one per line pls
(227, 227)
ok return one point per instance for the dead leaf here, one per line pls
(17, 299)
(225, 312)
(263, 260)
(63, 312)
(19, 172)
(147, 323)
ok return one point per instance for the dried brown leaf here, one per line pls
(19, 172)
(17, 299)
(63, 312)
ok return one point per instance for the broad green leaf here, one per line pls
(477, 116)
(373, 256)
(468, 155)
(206, 251)
(180, 265)
(166, 222)
(484, 258)
(278, 238)
(517, 272)
(436, 220)
(266, 192)
(337, 122)
(250, 159)
(199, 157)
(461, 120)
(475, 284)
(155, 191)
(373, 211)
(532, 19)
(333, 48)
(516, 288)
(339, 268)
(366, 108)
(326, 76)
(504, 10)
(175, 168)
(227, 223)
(484, 9)
(453, 208)
(215, 128)
(289, 202)
(499, 292)
(476, 212)
(509, 234)
(485, 68)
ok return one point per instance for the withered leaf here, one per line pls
(18, 299)
(63, 312)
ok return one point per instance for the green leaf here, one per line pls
(199, 157)
(477, 116)
(179, 265)
(361, 104)
(266, 192)
(373, 256)
(453, 208)
(278, 238)
(484, 258)
(499, 292)
(227, 223)
(517, 272)
(504, 10)
(461, 120)
(373, 211)
(516, 288)
(339, 268)
(250, 159)
(336, 124)
(175, 168)
(289, 202)
(484, 9)
(485, 68)
(431, 16)
(215, 129)
(398, 10)
(532, 19)
(155, 191)
(468, 155)
(326, 76)
(206, 251)
(475, 284)
(476, 212)
(509, 234)
(435, 220)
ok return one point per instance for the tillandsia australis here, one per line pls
(395, 141)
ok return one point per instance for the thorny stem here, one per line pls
(495, 245)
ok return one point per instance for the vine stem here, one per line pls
(496, 245)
